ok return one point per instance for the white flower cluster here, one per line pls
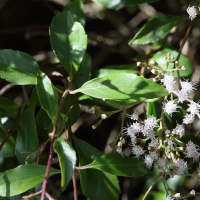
(192, 12)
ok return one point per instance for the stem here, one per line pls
(51, 148)
(151, 187)
(75, 186)
(48, 196)
(9, 133)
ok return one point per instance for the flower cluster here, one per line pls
(192, 12)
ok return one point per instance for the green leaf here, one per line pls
(9, 107)
(159, 57)
(7, 123)
(151, 109)
(113, 163)
(27, 139)
(197, 3)
(7, 151)
(126, 68)
(23, 178)
(156, 29)
(123, 86)
(84, 72)
(116, 5)
(47, 96)
(97, 185)
(67, 160)
(68, 40)
(76, 9)
(17, 67)
(45, 126)
(74, 113)
(34, 98)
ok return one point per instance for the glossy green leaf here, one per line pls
(9, 107)
(7, 123)
(123, 86)
(67, 160)
(113, 163)
(7, 151)
(74, 113)
(34, 98)
(91, 101)
(126, 68)
(17, 67)
(68, 40)
(44, 125)
(27, 138)
(47, 95)
(84, 72)
(156, 29)
(159, 57)
(76, 9)
(97, 185)
(23, 178)
(118, 4)
(151, 110)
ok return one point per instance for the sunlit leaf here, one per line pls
(18, 67)
(121, 86)
(68, 40)
(156, 29)
(47, 96)
(113, 163)
(23, 178)
(67, 160)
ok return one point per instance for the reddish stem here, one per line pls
(75, 186)
(9, 133)
(44, 185)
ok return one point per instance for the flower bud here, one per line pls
(176, 195)
(153, 71)
(171, 174)
(168, 54)
(141, 64)
(182, 68)
(192, 193)
(172, 57)
(176, 63)
(104, 116)
(94, 126)
(154, 63)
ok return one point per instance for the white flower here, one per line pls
(188, 86)
(151, 122)
(170, 107)
(188, 119)
(169, 198)
(191, 12)
(154, 143)
(169, 82)
(153, 155)
(134, 116)
(179, 130)
(179, 166)
(148, 160)
(167, 131)
(192, 192)
(133, 129)
(148, 132)
(170, 145)
(191, 150)
(182, 95)
(137, 150)
(193, 108)
(162, 163)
